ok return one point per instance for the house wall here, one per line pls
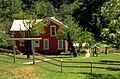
(53, 41)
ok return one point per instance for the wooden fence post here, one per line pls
(14, 51)
(61, 64)
(91, 67)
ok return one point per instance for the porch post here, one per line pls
(33, 51)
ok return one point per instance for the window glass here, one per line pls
(46, 44)
(53, 30)
(60, 44)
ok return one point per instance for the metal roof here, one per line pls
(23, 25)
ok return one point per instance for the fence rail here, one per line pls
(62, 62)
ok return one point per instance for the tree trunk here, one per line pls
(28, 48)
(80, 46)
(71, 45)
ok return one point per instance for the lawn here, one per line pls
(43, 70)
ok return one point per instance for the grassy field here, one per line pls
(43, 70)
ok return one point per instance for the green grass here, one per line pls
(43, 70)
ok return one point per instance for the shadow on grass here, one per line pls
(102, 76)
(88, 74)
(96, 76)
(113, 69)
(109, 61)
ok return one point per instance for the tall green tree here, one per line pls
(111, 10)
(89, 16)
(4, 39)
(69, 32)
(8, 8)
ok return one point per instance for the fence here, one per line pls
(90, 64)
(109, 50)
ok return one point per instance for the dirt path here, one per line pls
(36, 61)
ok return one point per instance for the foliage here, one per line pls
(89, 16)
(84, 37)
(110, 10)
(4, 39)
(77, 33)
(44, 9)
(71, 27)
(8, 9)
(34, 27)
(83, 51)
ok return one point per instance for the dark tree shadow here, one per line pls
(113, 69)
(110, 61)
(102, 76)
(88, 74)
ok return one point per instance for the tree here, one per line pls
(8, 8)
(74, 31)
(39, 9)
(84, 36)
(34, 27)
(111, 11)
(4, 39)
(89, 16)
(43, 9)
(68, 32)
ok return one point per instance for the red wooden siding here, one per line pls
(53, 42)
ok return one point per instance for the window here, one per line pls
(22, 43)
(37, 43)
(46, 44)
(52, 30)
(60, 44)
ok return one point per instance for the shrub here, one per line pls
(84, 51)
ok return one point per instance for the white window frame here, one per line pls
(37, 44)
(22, 43)
(59, 44)
(47, 44)
(51, 26)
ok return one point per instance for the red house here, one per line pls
(49, 43)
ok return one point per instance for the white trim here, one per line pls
(24, 38)
(59, 44)
(51, 30)
(47, 44)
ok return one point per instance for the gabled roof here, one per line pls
(53, 19)
(23, 25)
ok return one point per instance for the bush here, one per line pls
(84, 51)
